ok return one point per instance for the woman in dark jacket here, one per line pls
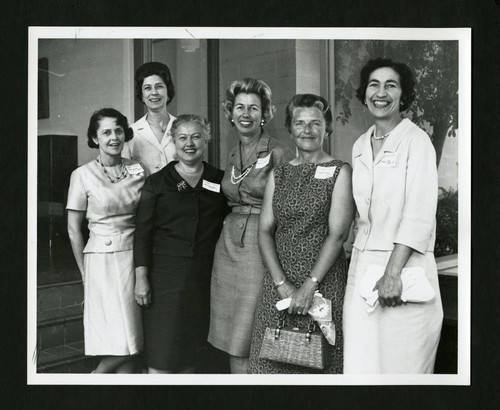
(179, 220)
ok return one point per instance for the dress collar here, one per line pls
(209, 174)
(262, 147)
(143, 125)
(391, 144)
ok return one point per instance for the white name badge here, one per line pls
(262, 162)
(134, 169)
(211, 186)
(389, 159)
(324, 172)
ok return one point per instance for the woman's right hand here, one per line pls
(142, 291)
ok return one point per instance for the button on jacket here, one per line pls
(175, 219)
(144, 146)
(395, 194)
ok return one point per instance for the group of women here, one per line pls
(183, 256)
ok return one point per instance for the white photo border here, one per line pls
(462, 35)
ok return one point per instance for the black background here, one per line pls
(483, 16)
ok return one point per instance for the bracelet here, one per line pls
(315, 280)
(280, 283)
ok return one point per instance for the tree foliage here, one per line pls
(435, 65)
(447, 223)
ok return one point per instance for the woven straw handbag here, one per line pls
(302, 347)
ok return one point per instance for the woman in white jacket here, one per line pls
(152, 144)
(395, 187)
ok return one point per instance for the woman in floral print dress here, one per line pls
(306, 215)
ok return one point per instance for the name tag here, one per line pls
(134, 169)
(389, 159)
(211, 186)
(324, 172)
(262, 162)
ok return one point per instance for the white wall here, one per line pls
(86, 75)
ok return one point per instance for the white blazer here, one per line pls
(145, 148)
(395, 193)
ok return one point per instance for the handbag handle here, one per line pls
(311, 327)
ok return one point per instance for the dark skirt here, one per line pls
(176, 323)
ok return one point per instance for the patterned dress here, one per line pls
(301, 205)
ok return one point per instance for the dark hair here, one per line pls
(249, 86)
(197, 119)
(153, 68)
(407, 80)
(98, 115)
(309, 100)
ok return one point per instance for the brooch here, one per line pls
(181, 186)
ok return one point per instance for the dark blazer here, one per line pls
(175, 219)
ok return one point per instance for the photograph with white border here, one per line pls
(74, 71)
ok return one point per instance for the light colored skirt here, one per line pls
(402, 339)
(236, 286)
(112, 318)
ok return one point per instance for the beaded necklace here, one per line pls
(123, 174)
(374, 135)
(237, 179)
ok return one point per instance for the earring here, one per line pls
(262, 123)
(232, 121)
(401, 103)
(365, 102)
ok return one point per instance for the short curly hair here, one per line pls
(249, 86)
(154, 68)
(406, 77)
(309, 100)
(197, 119)
(98, 115)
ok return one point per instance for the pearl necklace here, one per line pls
(123, 174)
(237, 179)
(374, 135)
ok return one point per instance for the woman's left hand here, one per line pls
(302, 298)
(390, 288)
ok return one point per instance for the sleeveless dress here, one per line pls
(301, 205)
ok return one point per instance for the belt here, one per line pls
(245, 209)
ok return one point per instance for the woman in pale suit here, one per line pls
(152, 144)
(106, 192)
(395, 187)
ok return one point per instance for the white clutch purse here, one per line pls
(416, 286)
